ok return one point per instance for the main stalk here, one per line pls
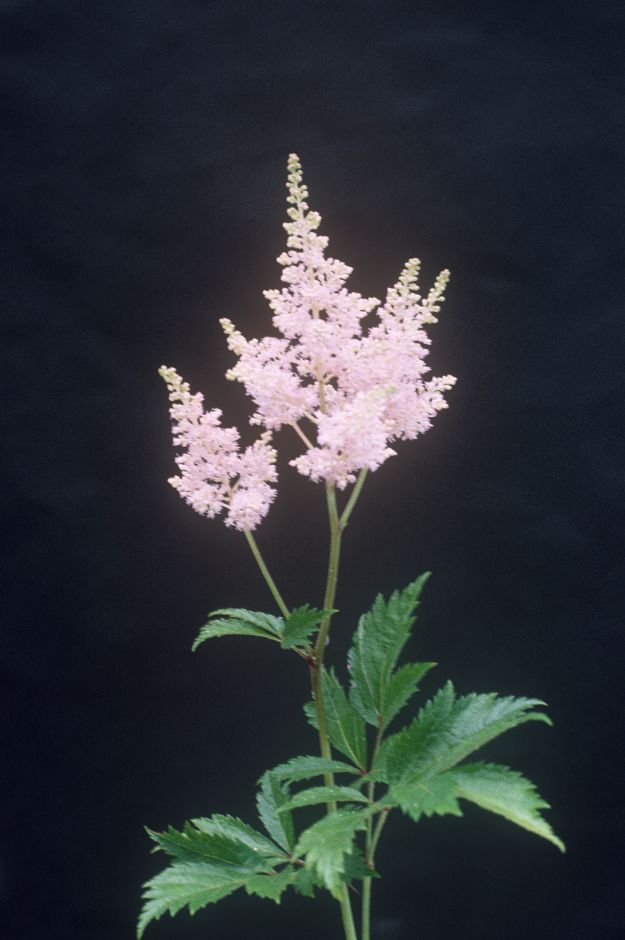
(316, 676)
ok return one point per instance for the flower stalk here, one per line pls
(271, 584)
(317, 672)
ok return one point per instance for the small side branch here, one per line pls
(271, 584)
(349, 508)
(301, 434)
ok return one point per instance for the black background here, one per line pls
(143, 198)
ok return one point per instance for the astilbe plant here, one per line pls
(349, 394)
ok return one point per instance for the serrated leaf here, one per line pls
(192, 843)
(271, 885)
(379, 639)
(269, 622)
(302, 622)
(271, 797)
(447, 730)
(233, 828)
(213, 857)
(306, 882)
(428, 796)
(235, 621)
(314, 795)
(507, 793)
(491, 786)
(303, 768)
(188, 884)
(326, 843)
(401, 687)
(345, 726)
(356, 868)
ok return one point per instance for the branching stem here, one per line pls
(301, 434)
(355, 493)
(271, 584)
(337, 526)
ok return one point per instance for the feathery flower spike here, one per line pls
(215, 475)
(360, 390)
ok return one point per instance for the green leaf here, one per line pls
(189, 884)
(429, 796)
(272, 885)
(314, 795)
(192, 843)
(491, 786)
(448, 729)
(268, 622)
(213, 857)
(401, 687)
(356, 868)
(302, 622)
(507, 793)
(233, 828)
(303, 768)
(306, 882)
(379, 639)
(326, 843)
(236, 621)
(272, 796)
(346, 728)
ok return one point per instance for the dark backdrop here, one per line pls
(146, 149)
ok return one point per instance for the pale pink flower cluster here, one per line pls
(357, 390)
(215, 474)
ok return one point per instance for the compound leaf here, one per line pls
(301, 623)
(271, 885)
(356, 867)
(326, 843)
(271, 797)
(507, 793)
(189, 884)
(306, 882)
(345, 726)
(303, 768)
(235, 621)
(379, 639)
(212, 858)
(429, 796)
(192, 843)
(447, 730)
(401, 687)
(234, 828)
(491, 786)
(314, 795)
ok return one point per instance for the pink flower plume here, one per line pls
(349, 392)
(215, 475)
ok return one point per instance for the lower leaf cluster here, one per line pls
(213, 857)
(420, 768)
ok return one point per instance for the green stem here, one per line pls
(316, 673)
(346, 913)
(378, 830)
(333, 572)
(370, 844)
(366, 909)
(351, 502)
(367, 882)
(251, 541)
(319, 650)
